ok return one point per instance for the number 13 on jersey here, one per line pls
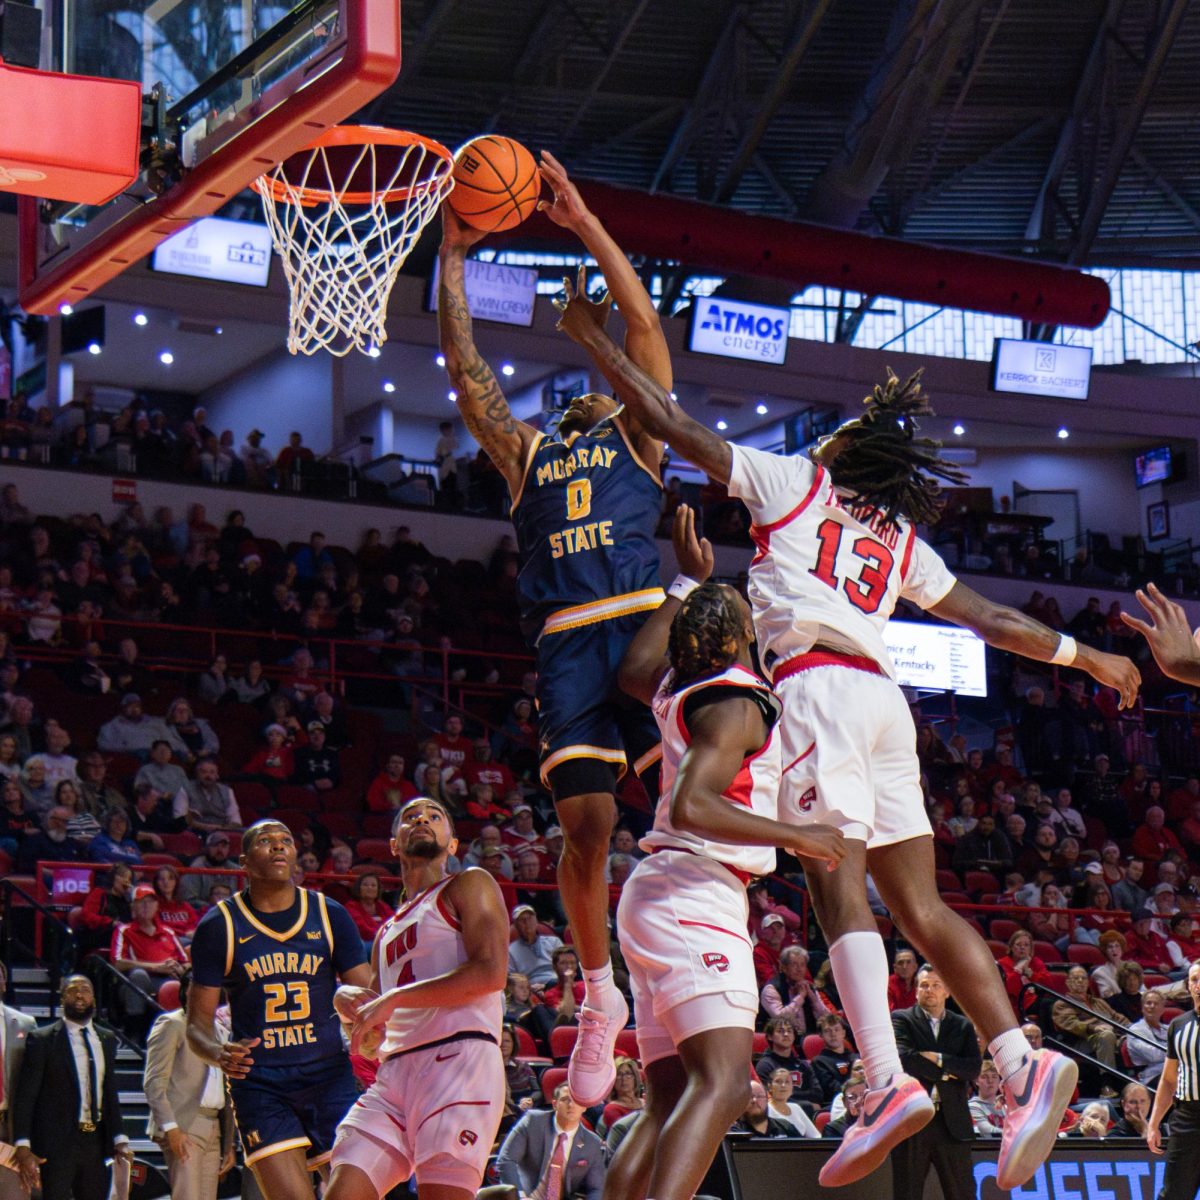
(864, 570)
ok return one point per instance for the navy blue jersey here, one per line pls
(281, 971)
(585, 519)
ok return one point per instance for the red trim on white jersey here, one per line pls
(760, 535)
(908, 549)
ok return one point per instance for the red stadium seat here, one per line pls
(551, 1078)
(527, 1048)
(1082, 953)
(953, 898)
(627, 1045)
(168, 995)
(183, 845)
(759, 1046)
(122, 768)
(1057, 982)
(562, 1041)
(1047, 952)
(300, 799)
(340, 823)
(979, 882)
(254, 796)
(812, 1045)
(1169, 1014)
(998, 948)
(948, 881)
(374, 849)
(378, 825)
(159, 860)
(1003, 928)
(821, 1120)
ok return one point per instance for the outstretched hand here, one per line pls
(579, 316)
(1168, 633)
(567, 208)
(1117, 672)
(456, 233)
(694, 555)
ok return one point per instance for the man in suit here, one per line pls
(66, 1115)
(15, 1027)
(550, 1155)
(940, 1049)
(190, 1116)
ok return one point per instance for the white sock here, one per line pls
(1008, 1052)
(598, 986)
(860, 968)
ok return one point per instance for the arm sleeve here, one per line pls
(765, 701)
(927, 580)
(209, 949)
(770, 485)
(347, 943)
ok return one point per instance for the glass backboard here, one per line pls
(232, 87)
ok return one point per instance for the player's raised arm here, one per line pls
(644, 397)
(644, 340)
(1169, 635)
(480, 398)
(1007, 629)
(645, 662)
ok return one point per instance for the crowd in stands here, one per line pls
(143, 751)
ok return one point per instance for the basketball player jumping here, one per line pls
(836, 549)
(441, 964)
(279, 950)
(586, 502)
(683, 912)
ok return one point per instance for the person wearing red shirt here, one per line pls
(1002, 769)
(105, 908)
(1021, 966)
(367, 908)
(147, 953)
(482, 806)
(175, 913)
(1152, 839)
(1145, 947)
(482, 768)
(902, 982)
(455, 748)
(519, 832)
(566, 967)
(1182, 800)
(771, 935)
(389, 789)
(275, 760)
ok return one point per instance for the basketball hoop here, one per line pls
(344, 215)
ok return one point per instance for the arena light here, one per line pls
(373, 352)
(1063, 433)
(140, 319)
(65, 309)
(959, 430)
(389, 386)
(93, 347)
(452, 396)
(761, 409)
(722, 425)
(508, 369)
(166, 358)
(440, 360)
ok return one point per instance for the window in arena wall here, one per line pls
(1156, 299)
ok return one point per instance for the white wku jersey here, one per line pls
(424, 940)
(755, 787)
(824, 571)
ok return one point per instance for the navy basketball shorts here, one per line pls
(295, 1107)
(590, 731)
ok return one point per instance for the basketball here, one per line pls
(496, 183)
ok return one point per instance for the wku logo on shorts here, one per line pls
(715, 962)
(468, 1137)
(808, 800)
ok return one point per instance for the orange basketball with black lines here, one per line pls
(496, 183)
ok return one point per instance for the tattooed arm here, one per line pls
(480, 398)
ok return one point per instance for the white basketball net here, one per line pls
(341, 258)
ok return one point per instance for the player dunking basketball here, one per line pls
(586, 502)
(279, 951)
(836, 550)
(683, 912)
(441, 964)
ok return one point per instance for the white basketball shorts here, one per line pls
(850, 755)
(682, 929)
(434, 1112)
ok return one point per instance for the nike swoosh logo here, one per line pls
(443, 1057)
(868, 1119)
(243, 941)
(1023, 1099)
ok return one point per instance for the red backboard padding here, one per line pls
(68, 137)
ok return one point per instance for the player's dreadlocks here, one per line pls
(884, 464)
(704, 634)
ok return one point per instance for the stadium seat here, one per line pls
(979, 882)
(821, 1120)
(168, 995)
(759, 1046)
(812, 1045)
(1082, 953)
(947, 880)
(1047, 952)
(627, 1044)
(998, 948)
(154, 859)
(1003, 928)
(340, 824)
(551, 1078)
(255, 796)
(299, 799)
(1169, 1014)
(374, 849)
(183, 845)
(562, 1041)
(527, 1049)
(378, 825)
(1057, 982)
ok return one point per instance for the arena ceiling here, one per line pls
(1065, 129)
